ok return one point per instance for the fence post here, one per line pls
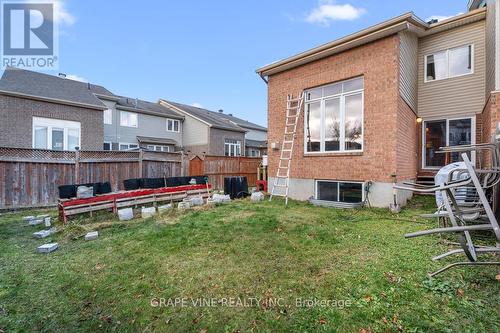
(141, 153)
(182, 164)
(77, 167)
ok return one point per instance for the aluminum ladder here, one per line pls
(282, 181)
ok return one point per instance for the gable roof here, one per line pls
(42, 86)
(142, 106)
(408, 21)
(240, 122)
(211, 118)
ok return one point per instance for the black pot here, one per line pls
(236, 187)
(103, 188)
(131, 184)
(152, 182)
(67, 191)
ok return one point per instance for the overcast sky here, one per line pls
(206, 52)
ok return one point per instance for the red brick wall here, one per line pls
(490, 117)
(379, 63)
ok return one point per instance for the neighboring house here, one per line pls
(380, 102)
(44, 111)
(131, 123)
(215, 133)
(255, 137)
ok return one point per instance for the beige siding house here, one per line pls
(420, 86)
(217, 133)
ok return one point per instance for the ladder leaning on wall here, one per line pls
(282, 181)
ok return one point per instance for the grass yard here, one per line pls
(369, 277)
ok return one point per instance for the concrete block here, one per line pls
(47, 221)
(197, 201)
(27, 219)
(35, 221)
(91, 235)
(148, 212)
(125, 214)
(47, 248)
(184, 205)
(164, 208)
(257, 196)
(44, 233)
(220, 198)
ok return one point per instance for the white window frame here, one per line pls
(173, 126)
(342, 97)
(447, 134)
(50, 124)
(110, 145)
(123, 113)
(128, 145)
(163, 148)
(235, 145)
(338, 188)
(108, 120)
(447, 51)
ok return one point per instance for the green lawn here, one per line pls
(259, 253)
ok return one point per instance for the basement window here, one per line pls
(339, 191)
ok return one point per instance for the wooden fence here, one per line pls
(219, 167)
(30, 177)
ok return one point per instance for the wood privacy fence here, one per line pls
(30, 177)
(219, 167)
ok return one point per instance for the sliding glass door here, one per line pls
(445, 132)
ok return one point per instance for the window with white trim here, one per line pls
(253, 152)
(232, 147)
(449, 63)
(333, 120)
(55, 134)
(106, 145)
(173, 125)
(128, 119)
(339, 191)
(108, 116)
(160, 148)
(127, 146)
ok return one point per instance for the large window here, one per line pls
(173, 125)
(445, 132)
(108, 116)
(449, 63)
(338, 191)
(55, 134)
(334, 117)
(128, 119)
(232, 147)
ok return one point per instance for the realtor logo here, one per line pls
(28, 35)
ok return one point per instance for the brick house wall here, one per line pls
(384, 118)
(16, 121)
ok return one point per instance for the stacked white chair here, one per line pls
(467, 197)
